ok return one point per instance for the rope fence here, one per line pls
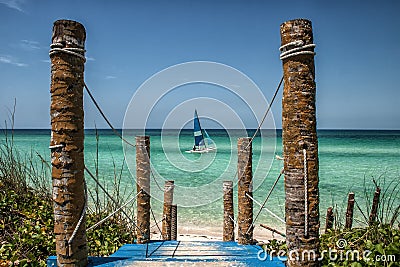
(105, 118)
(79, 52)
(112, 199)
(265, 208)
(114, 212)
(156, 223)
(266, 199)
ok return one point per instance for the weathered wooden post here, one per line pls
(229, 226)
(329, 219)
(350, 211)
(375, 204)
(245, 191)
(167, 209)
(143, 188)
(67, 135)
(174, 222)
(300, 143)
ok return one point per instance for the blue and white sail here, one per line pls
(202, 141)
(198, 133)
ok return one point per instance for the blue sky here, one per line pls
(357, 61)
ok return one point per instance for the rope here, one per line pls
(156, 224)
(155, 180)
(235, 223)
(79, 52)
(266, 112)
(305, 193)
(251, 140)
(113, 200)
(56, 146)
(105, 118)
(154, 218)
(78, 225)
(59, 48)
(269, 211)
(266, 199)
(362, 213)
(298, 49)
(111, 214)
(297, 43)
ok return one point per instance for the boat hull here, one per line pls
(201, 151)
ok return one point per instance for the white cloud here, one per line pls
(14, 4)
(46, 60)
(110, 77)
(10, 60)
(29, 45)
(90, 59)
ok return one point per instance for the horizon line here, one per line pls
(137, 129)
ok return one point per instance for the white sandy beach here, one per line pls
(207, 233)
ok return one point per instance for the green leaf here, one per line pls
(379, 248)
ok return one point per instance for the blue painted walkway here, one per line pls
(183, 253)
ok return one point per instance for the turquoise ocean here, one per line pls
(349, 161)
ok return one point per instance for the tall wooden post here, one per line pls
(167, 209)
(300, 143)
(245, 189)
(143, 188)
(67, 134)
(350, 211)
(229, 226)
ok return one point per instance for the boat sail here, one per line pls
(202, 141)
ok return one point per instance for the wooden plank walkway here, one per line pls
(183, 253)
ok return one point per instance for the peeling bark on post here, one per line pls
(245, 189)
(298, 133)
(350, 211)
(167, 209)
(143, 188)
(174, 222)
(67, 135)
(375, 204)
(229, 226)
(329, 219)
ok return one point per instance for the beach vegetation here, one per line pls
(26, 210)
(368, 244)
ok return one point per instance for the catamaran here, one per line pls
(202, 141)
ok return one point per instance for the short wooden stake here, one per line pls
(329, 220)
(300, 142)
(67, 142)
(375, 204)
(174, 222)
(272, 230)
(229, 225)
(167, 210)
(350, 211)
(143, 188)
(245, 189)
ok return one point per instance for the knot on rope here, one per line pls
(74, 51)
(295, 48)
